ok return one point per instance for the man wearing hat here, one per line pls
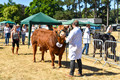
(18, 28)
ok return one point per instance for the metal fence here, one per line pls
(119, 35)
(112, 52)
(95, 50)
(108, 51)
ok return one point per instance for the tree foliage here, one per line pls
(12, 13)
(63, 15)
(46, 6)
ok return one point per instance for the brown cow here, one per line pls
(47, 40)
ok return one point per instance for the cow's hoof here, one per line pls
(93, 55)
(100, 55)
(41, 60)
(115, 60)
(59, 66)
(53, 67)
(105, 59)
(34, 61)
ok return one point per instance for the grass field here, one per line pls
(22, 67)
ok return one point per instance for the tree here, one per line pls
(107, 2)
(80, 6)
(63, 15)
(1, 8)
(95, 4)
(12, 13)
(117, 10)
(90, 13)
(85, 1)
(46, 6)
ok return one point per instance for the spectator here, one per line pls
(18, 28)
(23, 33)
(39, 26)
(33, 28)
(75, 48)
(15, 39)
(109, 30)
(50, 27)
(7, 34)
(86, 39)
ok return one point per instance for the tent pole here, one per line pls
(29, 35)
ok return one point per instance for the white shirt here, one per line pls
(109, 29)
(75, 44)
(7, 29)
(33, 28)
(23, 30)
(86, 36)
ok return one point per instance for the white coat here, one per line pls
(86, 36)
(75, 44)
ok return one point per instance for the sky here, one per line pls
(26, 2)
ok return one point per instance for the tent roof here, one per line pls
(71, 21)
(92, 24)
(10, 22)
(40, 18)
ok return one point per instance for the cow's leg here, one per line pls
(59, 63)
(114, 52)
(42, 56)
(52, 58)
(34, 52)
(94, 50)
(106, 52)
(101, 51)
(115, 56)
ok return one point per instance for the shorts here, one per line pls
(15, 41)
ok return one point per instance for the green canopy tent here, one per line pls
(71, 21)
(92, 24)
(10, 22)
(39, 18)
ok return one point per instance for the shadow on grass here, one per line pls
(1, 47)
(94, 69)
(27, 53)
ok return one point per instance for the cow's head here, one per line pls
(60, 30)
(61, 33)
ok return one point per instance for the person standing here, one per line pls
(23, 33)
(18, 28)
(109, 30)
(15, 39)
(7, 34)
(86, 39)
(33, 28)
(39, 27)
(75, 48)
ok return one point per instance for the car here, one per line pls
(116, 27)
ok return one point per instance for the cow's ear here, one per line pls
(54, 29)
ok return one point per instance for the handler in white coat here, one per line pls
(75, 48)
(86, 39)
